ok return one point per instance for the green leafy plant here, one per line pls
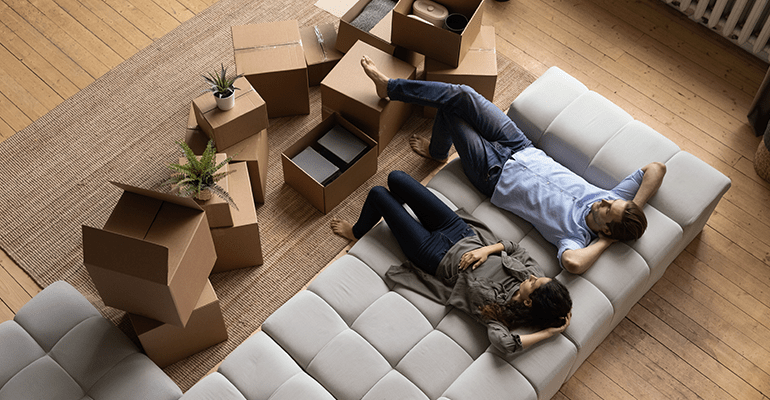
(199, 175)
(220, 84)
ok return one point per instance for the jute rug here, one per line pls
(123, 127)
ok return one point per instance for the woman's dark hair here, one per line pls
(631, 226)
(550, 305)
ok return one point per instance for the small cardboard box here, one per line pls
(166, 344)
(432, 41)
(325, 198)
(153, 255)
(347, 11)
(348, 91)
(320, 54)
(477, 70)
(227, 128)
(270, 55)
(216, 208)
(239, 246)
(253, 150)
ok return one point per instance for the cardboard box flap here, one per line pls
(169, 197)
(125, 254)
(274, 46)
(318, 43)
(207, 104)
(174, 228)
(338, 8)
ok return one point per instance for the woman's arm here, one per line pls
(474, 258)
(508, 343)
(533, 338)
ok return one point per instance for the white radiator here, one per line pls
(743, 22)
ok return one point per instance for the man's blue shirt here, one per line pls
(554, 199)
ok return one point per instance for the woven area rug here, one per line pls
(123, 127)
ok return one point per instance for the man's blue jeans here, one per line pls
(424, 242)
(483, 135)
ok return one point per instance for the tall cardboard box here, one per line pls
(270, 55)
(325, 198)
(153, 256)
(477, 70)
(432, 41)
(239, 246)
(227, 128)
(217, 210)
(166, 344)
(318, 43)
(348, 91)
(254, 150)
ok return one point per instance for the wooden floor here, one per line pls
(703, 331)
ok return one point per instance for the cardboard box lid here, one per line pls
(169, 197)
(349, 78)
(318, 44)
(480, 60)
(246, 100)
(268, 47)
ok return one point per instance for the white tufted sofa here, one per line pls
(352, 336)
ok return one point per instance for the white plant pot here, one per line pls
(225, 103)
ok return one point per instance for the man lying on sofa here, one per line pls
(503, 164)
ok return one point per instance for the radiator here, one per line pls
(743, 22)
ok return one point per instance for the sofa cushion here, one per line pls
(465, 331)
(536, 107)
(213, 387)
(547, 365)
(490, 378)
(378, 249)
(434, 363)
(453, 183)
(135, 377)
(27, 383)
(395, 386)
(17, 350)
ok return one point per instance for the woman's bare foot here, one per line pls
(420, 146)
(342, 228)
(380, 80)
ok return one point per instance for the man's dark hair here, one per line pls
(631, 226)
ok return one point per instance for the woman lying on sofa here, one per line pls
(455, 260)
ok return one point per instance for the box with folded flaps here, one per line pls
(477, 70)
(321, 55)
(239, 246)
(226, 128)
(433, 41)
(166, 344)
(253, 150)
(153, 255)
(365, 20)
(348, 91)
(271, 57)
(326, 197)
(217, 209)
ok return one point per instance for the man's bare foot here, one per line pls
(420, 146)
(342, 228)
(380, 80)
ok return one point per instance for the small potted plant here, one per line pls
(198, 177)
(222, 87)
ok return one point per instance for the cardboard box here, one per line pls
(248, 117)
(348, 91)
(166, 344)
(254, 150)
(321, 56)
(153, 255)
(432, 41)
(216, 208)
(325, 198)
(347, 11)
(477, 70)
(270, 55)
(239, 246)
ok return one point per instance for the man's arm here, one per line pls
(653, 177)
(578, 261)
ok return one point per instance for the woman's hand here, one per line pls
(532, 338)
(473, 259)
(560, 329)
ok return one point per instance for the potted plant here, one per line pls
(222, 87)
(198, 177)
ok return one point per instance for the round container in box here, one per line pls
(430, 11)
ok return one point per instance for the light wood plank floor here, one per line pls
(701, 332)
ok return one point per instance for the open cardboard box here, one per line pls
(325, 198)
(477, 70)
(347, 90)
(432, 41)
(153, 256)
(321, 55)
(347, 11)
(270, 56)
(166, 344)
(227, 128)
(239, 246)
